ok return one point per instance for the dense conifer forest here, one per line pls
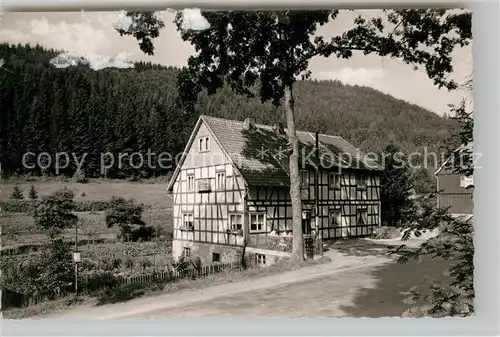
(78, 110)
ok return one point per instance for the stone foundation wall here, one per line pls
(205, 250)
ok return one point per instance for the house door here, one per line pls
(306, 226)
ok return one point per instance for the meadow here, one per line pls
(149, 192)
(96, 241)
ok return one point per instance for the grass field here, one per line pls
(153, 194)
(19, 229)
(96, 240)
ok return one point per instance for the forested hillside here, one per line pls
(78, 110)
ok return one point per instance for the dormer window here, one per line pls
(204, 144)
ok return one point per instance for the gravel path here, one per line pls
(360, 281)
(345, 275)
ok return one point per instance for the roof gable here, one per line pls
(189, 150)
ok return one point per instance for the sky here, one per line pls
(93, 32)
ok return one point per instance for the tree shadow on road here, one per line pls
(359, 247)
(385, 298)
(122, 294)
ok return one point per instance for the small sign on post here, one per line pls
(77, 257)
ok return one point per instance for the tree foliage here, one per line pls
(424, 38)
(396, 188)
(33, 194)
(127, 215)
(17, 194)
(55, 212)
(48, 273)
(424, 181)
(57, 272)
(454, 242)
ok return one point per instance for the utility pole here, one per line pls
(316, 197)
(76, 259)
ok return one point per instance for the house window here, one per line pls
(361, 217)
(312, 178)
(186, 252)
(257, 222)
(362, 181)
(260, 259)
(334, 217)
(215, 257)
(236, 221)
(207, 143)
(334, 180)
(204, 144)
(190, 180)
(220, 181)
(304, 179)
(187, 220)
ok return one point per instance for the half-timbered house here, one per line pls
(230, 191)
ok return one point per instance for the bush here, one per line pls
(181, 266)
(17, 194)
(17, 206)
(25, 206)
(56, 211)
(145, 263)
(128, 216)
(46, 274)
(80, 177)
(385, 232)
(92, 205)
(33, 194)
(128, 263)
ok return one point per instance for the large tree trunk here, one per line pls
(298, 247)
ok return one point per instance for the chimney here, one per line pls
(248, 124)
(279, 129)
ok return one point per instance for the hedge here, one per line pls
(25, 206)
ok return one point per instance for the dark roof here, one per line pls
(468, 148)
(246, 148)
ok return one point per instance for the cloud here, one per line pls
(93, 60)
(78, 36)
(73, 33)
(192, 19)
(124, 22)
(357, 76)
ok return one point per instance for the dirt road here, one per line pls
(360, 281)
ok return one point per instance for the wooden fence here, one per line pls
(11, 299)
